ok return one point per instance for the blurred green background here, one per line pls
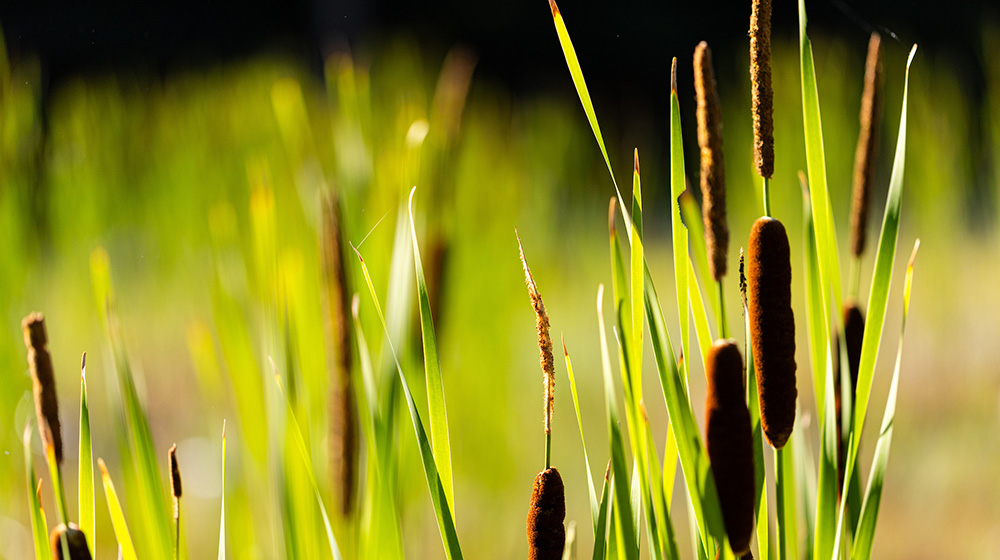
(204, 183)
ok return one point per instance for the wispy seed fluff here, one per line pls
(713, 169)
(544, 340)
(864, 157)
(43, 382)
(762, 96)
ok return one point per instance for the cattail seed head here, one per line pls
(772, 327)
(546, 534)
(343, 420)
(762, 96)
(175, 480)
(43, 382)
(854, 331)
(713, 169)
(544, 341)
(73, 539)
(729, 438)
(864, 156)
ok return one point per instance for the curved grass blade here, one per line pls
(826, 232)
(39, 528)
(303, 447)
(437, 412)
(88, 522)
(594, 508)
(222, 516)
(691, 214)
(125, 546)
(601, 542)
(701, 328)
(679, 232)
(873, 496)
(637, 267)
(661, 505)
(446, 523)
(815, 312)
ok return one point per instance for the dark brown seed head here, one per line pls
(546, 534)
(729, 440)
(73, 539)
(544, 340)
(772, 327)
(864, 157)
(854, 331)
(762, 97)
(713, 170)
(43, 382)
(175, 480)
(343, 421)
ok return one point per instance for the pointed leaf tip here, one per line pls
(636, 157)
(612, 207)
(673, 75)
(554, 8)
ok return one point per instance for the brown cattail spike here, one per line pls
(729, 440)
(854, 331)
(762, 97)
(864, 157)
(43, 382)
(772, 327)
(546, 534)
(72, 539)
(343, 420)
(544, 341)
(175, 479)
(713, 169)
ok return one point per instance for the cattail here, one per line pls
(854, 331)
(175, 480)
(343, 421)
(73, 539)
(772, 327)
(544, 342)
(864, 157)
(729, 440)
(43, 382)
(546, 534)
(713, 169)
(762, 96)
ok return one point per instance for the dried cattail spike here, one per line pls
(343, 418)
(762, 96)
(175, 478)
(43, 382)
(713, 169)
(73, 539)
(772, 328)
(729, 440)
(546, 534)
(544, 340)
(864, 157)
(854, 331)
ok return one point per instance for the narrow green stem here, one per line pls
(780, 483)
(723, 331)
(56, 475)
(548, 449)
(767, 197)
(177, 531)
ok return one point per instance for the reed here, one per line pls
(69, 540)
(772, 327)
(546, 534)
(713, 171)
(864, 156)
(761, 94)
(175, 492)
(729, 440)
(43, 383)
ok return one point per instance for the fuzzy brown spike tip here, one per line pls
(544, 340)
(772, 327)
(43, 382)
(762, 96)
(713, 170)
(546, 534)
(864, 156)
(74, 541)
(729, 438)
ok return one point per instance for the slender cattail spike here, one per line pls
(713, 170)
(546, 534)
(43, 382)
(612, 207)
(854, 331)
(762, 97)
(772, 328)
(864, 157)
(544, 341)
(729, 440)
(72, 539)
(343, 420)
(175, 480)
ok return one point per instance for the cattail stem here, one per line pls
(781, 481)
(767, 197)
(723, 329)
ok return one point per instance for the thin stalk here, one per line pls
(548, 449)
(177, 534)
(780, 486)
(767, 198)
(723, 331)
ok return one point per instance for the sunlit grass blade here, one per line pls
(594, 508)
(88, 521)
(588, 106)
(826, 232)
(784, 491)
(446, 523)
(625, 526)
(678, 231)
(701, 328)
(222, 494)
(39, 528)
(816, 324)
(126, 548)
(601, 525)
(303, 447)
(760, 482)
(865, 533)
(661, 504)
(437, 412)
(692, 220)
(825, 533)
